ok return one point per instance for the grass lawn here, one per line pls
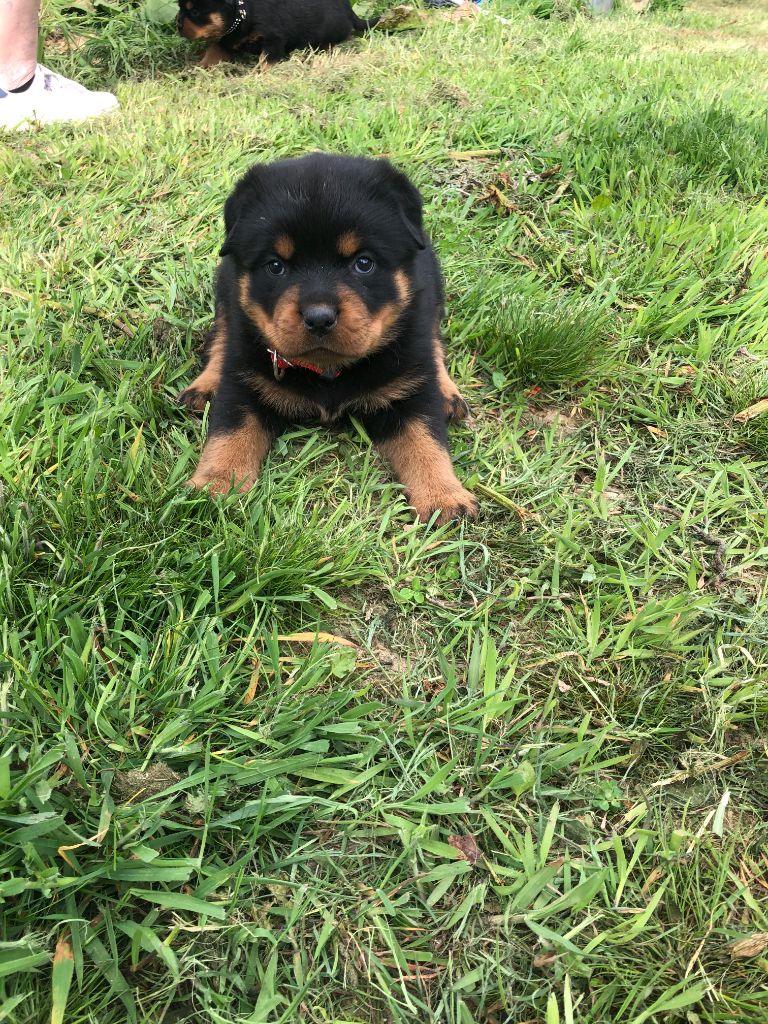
(530, 785)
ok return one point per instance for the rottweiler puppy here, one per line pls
(329, 302)
(269, 29)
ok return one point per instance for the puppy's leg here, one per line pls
(237, 445)
(202, 388)
(273, 50)
(455, 406)
(417, 449)
(213, 55)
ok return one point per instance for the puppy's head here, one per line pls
(205, 19)
(324, 248)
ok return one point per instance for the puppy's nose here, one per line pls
(319, 318)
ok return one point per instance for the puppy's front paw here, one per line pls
(232, 460)
(194, 399)
(455, 407)
(456, 503)
(219, 483)
(213, 55)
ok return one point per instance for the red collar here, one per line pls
(280, 365)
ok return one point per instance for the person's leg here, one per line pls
(29, 92)
(18, 42)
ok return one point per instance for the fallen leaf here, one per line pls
(160, 12)
(253, 686)
(389, 659)
(562, 188)
(526, 262)
(544, 959)
(68, 44)
(467, 847)
(564, 420)
(96, 840)
(502, 202)
(320, 638)
(473, 154)
(752, 411)
(753, 945)
(343, 662)
(549, 173)
(433, 686)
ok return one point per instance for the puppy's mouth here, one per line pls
(320, 352)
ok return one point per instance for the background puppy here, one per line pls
(269, 28)
(329, 302)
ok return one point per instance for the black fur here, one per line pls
(314, 208)
(268, 28)
(314, 200)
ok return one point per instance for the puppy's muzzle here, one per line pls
(319, 318)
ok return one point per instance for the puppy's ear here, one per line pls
(246, 192)
(408, 200)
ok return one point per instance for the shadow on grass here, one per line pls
(711, 145)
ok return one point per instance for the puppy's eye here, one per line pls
(275, 267)
(363, 264)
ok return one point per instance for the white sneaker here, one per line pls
(52, 98)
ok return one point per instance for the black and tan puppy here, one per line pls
(328, 303)
(269, 29)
